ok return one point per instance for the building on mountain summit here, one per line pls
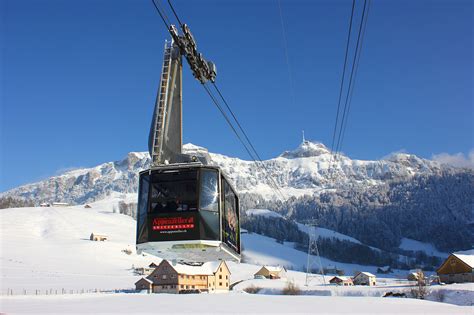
(457, 268)
(183, 278)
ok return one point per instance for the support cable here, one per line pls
(351, 81)
(251, 151)
(247, 138)
(162, 14)
(357, 66)
(288, 65)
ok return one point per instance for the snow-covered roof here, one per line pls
(368, 274)
(147, 280)
(273, 268)
(466, 258)
(208, 268)
(343, 278)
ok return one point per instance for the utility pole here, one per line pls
(312, 261)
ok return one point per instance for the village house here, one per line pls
(457, 268)
(98, 237)
(364, 278)
(176, 277)
(341, 280)
(271, 272)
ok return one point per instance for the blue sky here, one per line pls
(79, 79)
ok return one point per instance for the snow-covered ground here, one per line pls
(234, 303)
(48, 249)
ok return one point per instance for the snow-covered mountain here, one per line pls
(303, 171)
(377, 202)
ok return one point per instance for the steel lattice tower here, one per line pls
(313, 261)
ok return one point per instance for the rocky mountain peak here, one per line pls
(306, 149)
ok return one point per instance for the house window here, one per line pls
(227, 284)
(220, 284)
(193, 287)
(163, 277)
(187, 277)
(187, 287)
(227, 277)
(220, 269)
(220, 276)
(182, 286)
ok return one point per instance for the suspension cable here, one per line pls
(288, 65)
(351, 81)
(162, 14)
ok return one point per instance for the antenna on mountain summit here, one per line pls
(303, 137)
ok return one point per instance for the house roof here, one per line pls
(273, 268)
(147, 280)
(208, 268)
(343, 278)
(368, 274)
(467, 259)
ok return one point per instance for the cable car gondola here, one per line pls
(188, 212)
(187, 209)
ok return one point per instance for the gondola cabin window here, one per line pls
(174, 191)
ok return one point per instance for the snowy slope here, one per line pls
(48, 249)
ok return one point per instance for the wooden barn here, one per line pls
(457, 268)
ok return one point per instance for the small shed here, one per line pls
(341, 280)
(98, 237)
(457, 268)
(364, 278)
(143, 284)
(271, 272)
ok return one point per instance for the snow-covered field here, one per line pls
(221, 304)
(48, 249)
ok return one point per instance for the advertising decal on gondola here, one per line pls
(168, 227)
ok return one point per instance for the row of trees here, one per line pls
(10, 202)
